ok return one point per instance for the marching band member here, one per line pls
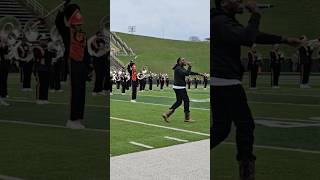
(167, 80)
(189, 82)
(57, 65)
(118, 79)
(158, 79)
(162, 81)
(253, 67)
(205, 81)
(98, 51)
(276, 58)
(150, 80)
(25, 57)
(134, 82)
(140, 78)
(42, 58)
(305, 61)
(69, 24)
(4, 70)
(196, 82)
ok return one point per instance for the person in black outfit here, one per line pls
(305, 61)
(4, 71)
(276, 58)
(26, 63)
(42, 58)
(150, 79)
(229, 102)
(205, 81)
(189, 82)
(253, 67)
(179, 88)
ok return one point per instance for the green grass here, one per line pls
(93, 11)
(36, 152)
(289, 102)
(161, 54)
(124, 132)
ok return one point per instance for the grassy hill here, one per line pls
(161, 54)
(93, 11)
(289, 18)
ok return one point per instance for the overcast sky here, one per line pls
(171, 19)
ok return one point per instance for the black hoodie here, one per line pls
(227, 37)
(180, 74)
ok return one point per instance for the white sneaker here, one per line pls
(304, 86)
(94, 94)
(75, 124)
(275, 87)
(133, 101)
(101, 93)
(3, 102)
(60, 90)
(52, 91)
(45, 102)
(123, 94)
(39, 102)
(111, 94)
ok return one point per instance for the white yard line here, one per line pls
(49, 125)
(141, 145)
(176, 139)
(2, 177)
(54, 103)
(159, 126)
(280, 148)
(155, 104)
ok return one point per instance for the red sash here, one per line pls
(77, 45)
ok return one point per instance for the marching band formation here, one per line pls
(277, 58)
(148, 79)
(65, 54)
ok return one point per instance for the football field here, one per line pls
(286, 135)
(34, 144)
(139, 126)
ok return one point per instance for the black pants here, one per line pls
(123, 86)
(134, 90)
(150, 85)
(99, 65)
(111, 84)
(78, 76)
(26, 74)
(43, 85)
(141, 84)
(55, 75)
(205, 84)
(181, 95)
(167, 83)
(229, 104)
(253, 75)
(305, 73)
(118, 84)
(158, 82)
(275, 74)
(4, 70)
(161, 84)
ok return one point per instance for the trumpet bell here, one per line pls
(31, 31)
(9, 26)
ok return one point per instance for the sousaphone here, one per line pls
(10, 29)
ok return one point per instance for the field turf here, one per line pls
(141, 122)
(286, 135)
(34, 144)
